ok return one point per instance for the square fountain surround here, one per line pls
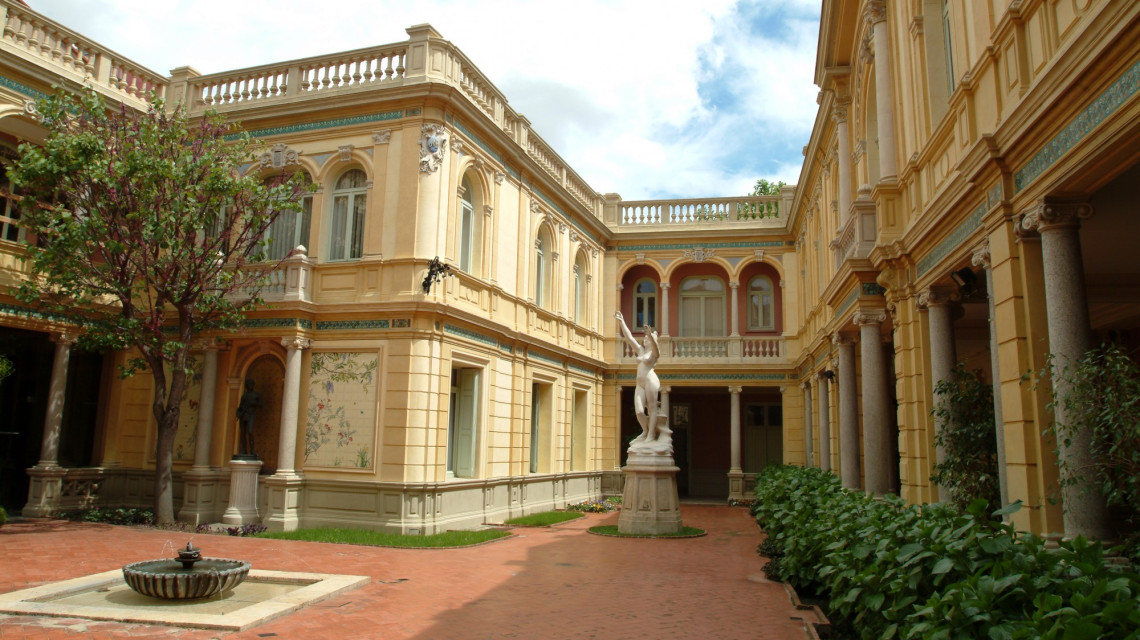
(105, 596)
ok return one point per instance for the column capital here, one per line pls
(869, 317)
(839, 113)
(735, 390)
(667, 389)
(824, 375)
(67, 337)
(1046, 215)
(733, 285)
(665, 286)
(842, 340)
(807, 384)
(875, 11)
(296, 343)
(936, 296)
(980, 257)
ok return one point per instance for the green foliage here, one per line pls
(765, 188)
(545, 519)
(147, 234)
(380, 539)
(3, 517)
(119, 515)
(5, 368)
(251, 529)
(965, 411)
(1103, 398)
(892, 570)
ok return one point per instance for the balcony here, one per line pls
(718, 351)
(751, 212)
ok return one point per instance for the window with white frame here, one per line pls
(346, 227)
(761, 308)
(10, 227)
(644, 304)
(543, 268)
(580, 282)
(290, 229)
(468, 224)
(463, 423)
(702, 306)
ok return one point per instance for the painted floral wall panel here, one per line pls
(342, 410)
(187, 436)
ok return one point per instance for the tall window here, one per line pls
(644, 304)
(580, 288)
(291, 228)
(702, 306)
(544, 254)
(761, 309)
(346, 230)
(10, 228)
(463, 423)
(946, 39)
(541, 403)
(467, 227)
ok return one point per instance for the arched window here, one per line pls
(544, 256)
(644, 304)
(702, 306)
(10, 227)
(761, 307)
(467, 225)
(580, 278)
(291, 228)
(346, 228)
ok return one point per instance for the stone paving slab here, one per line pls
(552, 583)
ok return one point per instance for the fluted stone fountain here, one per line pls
(186, 577)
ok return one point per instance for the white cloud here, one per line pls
(648, 99)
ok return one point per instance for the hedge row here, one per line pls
(892, 570)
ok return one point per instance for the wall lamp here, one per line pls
(437, 271)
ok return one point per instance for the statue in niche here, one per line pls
(246, 414)
(656, 437)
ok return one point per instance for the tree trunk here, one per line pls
(163, 468)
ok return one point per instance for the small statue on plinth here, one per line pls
(246, 414)
(656, 437)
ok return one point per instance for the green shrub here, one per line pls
(3, 517)
(892, 570)
(965, 412)
(593, 506)
(120, 515)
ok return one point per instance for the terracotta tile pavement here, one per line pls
(550, 583)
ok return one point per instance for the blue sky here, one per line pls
(646, 99)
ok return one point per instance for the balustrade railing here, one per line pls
(764, 211)
(712, 350)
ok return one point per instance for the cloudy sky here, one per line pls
(646, 98)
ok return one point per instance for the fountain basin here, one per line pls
(168, 580)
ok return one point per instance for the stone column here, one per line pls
(664, 310)
(876, 451)
(876, 13)
(664, 406)
(1070, 338)
(734, 287)
(46, 487)
(736, 469)
(940, 322)
(824, 421)
(839, 115)
(201, 483)
(285, 485)
(808, 453)
(981, 258)
(848, 413)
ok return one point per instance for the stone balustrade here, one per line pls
(65, 53)
(713, 350)
(754, 211)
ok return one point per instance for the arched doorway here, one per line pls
(268, 375)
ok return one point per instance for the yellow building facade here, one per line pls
(965, 196)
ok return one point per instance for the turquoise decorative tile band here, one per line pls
(321, 124)
(473, 335)
(953, 240)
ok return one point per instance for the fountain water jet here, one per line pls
(180, 579)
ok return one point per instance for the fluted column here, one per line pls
(57, 393)
(808, 453)
(824, 421)
(839, 115)
(876, 451)
(981, 258)
(734, 426)
(290, 401)
(939, 304)
(664, 319)
(876, 13)
(664, 404)
(204, 435)
(1070, 338)
(734, 287)
(848, 413)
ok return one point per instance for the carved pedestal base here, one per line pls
(735, 485)
(284, 511)
(243, 493)
(649, 503)
(44, 492)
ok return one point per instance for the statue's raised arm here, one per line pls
(626, 333)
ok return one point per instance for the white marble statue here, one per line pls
(656, 437)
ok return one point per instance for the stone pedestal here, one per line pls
(736, 485)
(284, 510)
(44, 491)
(202, 496)
(243, 493)
(649, 504)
